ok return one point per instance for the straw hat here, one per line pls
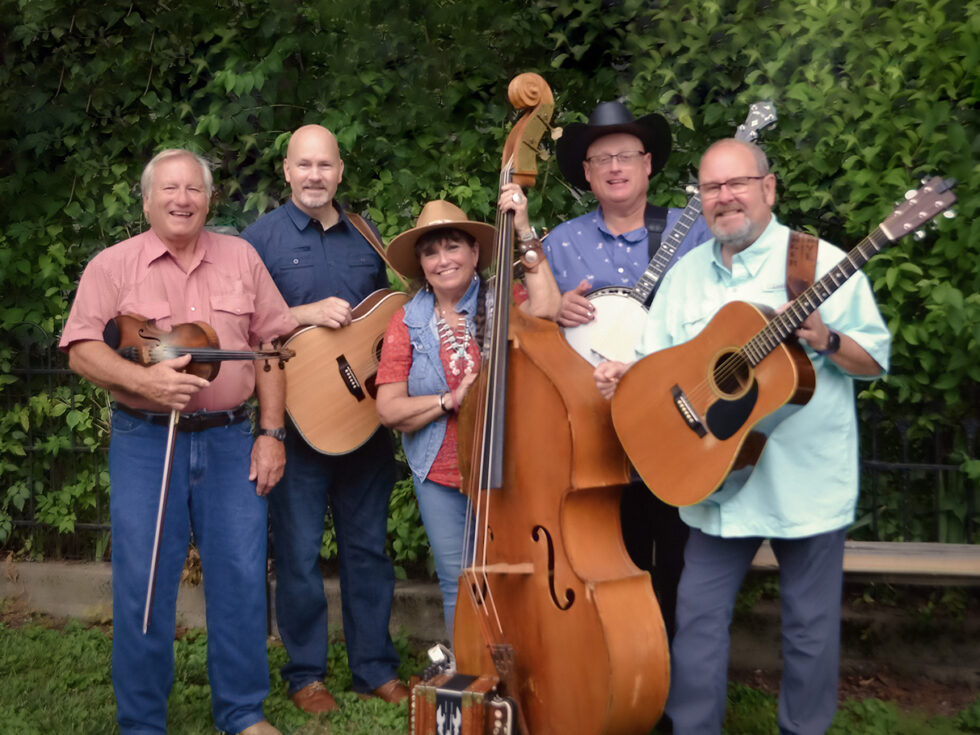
(436, 215)
(608, 118)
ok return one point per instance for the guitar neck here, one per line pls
(658, 265)
(783, 325)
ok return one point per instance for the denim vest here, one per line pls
(427, 376)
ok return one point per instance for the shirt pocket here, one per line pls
(294, 275)
(231, 315)
(156, 311)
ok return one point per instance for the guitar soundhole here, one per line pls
(732, 376)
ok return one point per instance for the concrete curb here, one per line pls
(83, 590)
(944, 650)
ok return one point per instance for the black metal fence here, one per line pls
(52, 455)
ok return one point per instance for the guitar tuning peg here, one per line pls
(919, 235)
(910, 193)
(949, 213)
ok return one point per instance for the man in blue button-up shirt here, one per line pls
(323, 266)
(803, 491)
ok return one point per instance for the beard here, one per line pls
(736, 238)
(314, 198)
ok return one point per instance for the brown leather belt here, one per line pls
(190, 422)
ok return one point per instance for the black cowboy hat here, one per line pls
(608, 118)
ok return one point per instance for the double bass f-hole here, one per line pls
(541, 534)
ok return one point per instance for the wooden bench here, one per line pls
(899, 562)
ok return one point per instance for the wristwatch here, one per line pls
(279, 433)
(833, 344)
(528, 236)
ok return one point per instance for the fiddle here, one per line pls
(140, 340)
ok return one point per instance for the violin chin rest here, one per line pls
(111, 335)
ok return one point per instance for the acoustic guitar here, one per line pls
(689, 415)
(619, 311)
(330, 389)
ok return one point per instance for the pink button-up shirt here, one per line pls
(227, 286)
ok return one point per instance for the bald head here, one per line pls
(313, 168)
(758, 155)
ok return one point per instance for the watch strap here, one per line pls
(278, 433)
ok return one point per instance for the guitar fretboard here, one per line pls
(783, 325)
(661, 259)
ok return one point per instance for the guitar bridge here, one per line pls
(349, 377)
(687, 412)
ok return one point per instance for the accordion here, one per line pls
(450, 703)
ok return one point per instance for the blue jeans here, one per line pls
(212, 498)
(444, 511)
(810, 583)
(357, 487)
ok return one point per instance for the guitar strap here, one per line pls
(655, 218)
(801, 263)
(368, 234)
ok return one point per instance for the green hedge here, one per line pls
(871, 95)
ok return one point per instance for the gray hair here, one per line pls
(146, 179)
(761, 162)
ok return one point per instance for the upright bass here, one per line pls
(549, 601)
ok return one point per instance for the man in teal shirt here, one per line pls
(803, 491)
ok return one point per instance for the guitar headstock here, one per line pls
(935, 196)
(761, 115)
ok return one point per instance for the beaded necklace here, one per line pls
(457, 347)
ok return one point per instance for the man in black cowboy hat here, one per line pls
(615, 155)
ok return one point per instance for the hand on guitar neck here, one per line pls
(332, 312)
(849, 356)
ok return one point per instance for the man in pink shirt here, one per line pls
(177, 272)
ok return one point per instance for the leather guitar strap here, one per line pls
(655, 219)
(801, 263)
(368, 234)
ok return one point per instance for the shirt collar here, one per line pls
(302, 220)
(155, 248)
(632, 237)
(750, 260)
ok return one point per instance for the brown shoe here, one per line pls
(392, 692)
(314, 698)
(262, 727)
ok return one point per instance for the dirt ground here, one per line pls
(910, 693)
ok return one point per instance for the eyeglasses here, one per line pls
(625, 158)
(737, 185)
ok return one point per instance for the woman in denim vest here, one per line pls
(431, 356)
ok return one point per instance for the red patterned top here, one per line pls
(396, 361)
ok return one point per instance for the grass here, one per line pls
(58, 680)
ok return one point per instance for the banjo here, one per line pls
(620, 312)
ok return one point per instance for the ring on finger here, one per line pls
(516, 198)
